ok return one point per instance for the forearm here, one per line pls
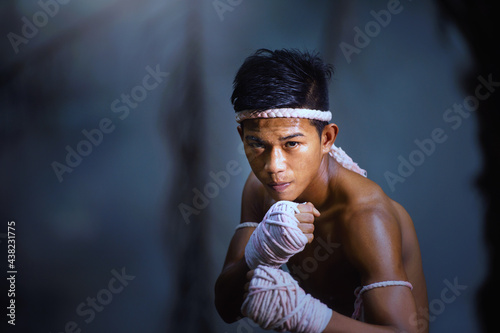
(265, 244)
(229, 290)
(342, 324)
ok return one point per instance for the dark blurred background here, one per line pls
(116, 131)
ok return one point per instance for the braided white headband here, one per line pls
(284, 113)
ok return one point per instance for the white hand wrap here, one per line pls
(275, 301)
(276, 238)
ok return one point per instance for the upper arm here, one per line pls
(374, 247)
(374, 244)
(252, 210)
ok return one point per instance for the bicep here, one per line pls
(374, 246)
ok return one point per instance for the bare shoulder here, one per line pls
(379, 240)
(365, 198)
(253, 200)
(371, 232)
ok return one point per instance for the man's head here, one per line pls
(282, 79)
(285, 153)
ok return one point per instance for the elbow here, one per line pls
(224, 311)
(226, 317)
(223, 305)
(413, 326)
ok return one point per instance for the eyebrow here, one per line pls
(284, 138)
(291, 136)
(253, 138)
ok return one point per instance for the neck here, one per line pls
(320, 191)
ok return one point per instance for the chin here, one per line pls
(282, 196)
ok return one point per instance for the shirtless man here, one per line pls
(356, 235)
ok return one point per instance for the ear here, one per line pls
(328, 137)
(240, 131)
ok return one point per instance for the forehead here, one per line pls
(279, 126)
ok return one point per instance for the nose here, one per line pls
(276, 161)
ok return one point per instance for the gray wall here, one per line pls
(111, 212)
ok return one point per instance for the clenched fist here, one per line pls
(306, 219)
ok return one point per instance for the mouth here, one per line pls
(279, 187)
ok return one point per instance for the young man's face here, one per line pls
(285, 154)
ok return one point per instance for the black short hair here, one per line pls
(282, 79)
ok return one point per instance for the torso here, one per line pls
(323, 268)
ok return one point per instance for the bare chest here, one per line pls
(324, 271)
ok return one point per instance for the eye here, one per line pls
(292, 144)
(256, 145)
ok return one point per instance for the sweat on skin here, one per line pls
(289, 163)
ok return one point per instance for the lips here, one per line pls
(279, 187)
